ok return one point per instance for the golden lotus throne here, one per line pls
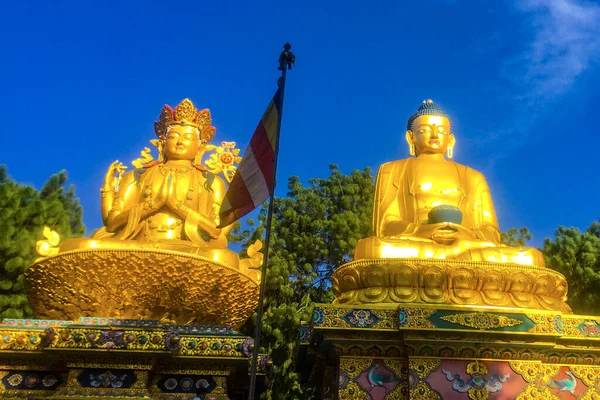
(437, 239)
(160, 254)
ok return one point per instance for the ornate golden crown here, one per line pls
(185, 114)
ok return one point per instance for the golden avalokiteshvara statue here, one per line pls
(437, 238)
(170, 203)
(160, 254)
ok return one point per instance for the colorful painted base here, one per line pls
(96, 358)
(415, 351)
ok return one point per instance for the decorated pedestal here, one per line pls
(147, 307)
(160, 285)
(418, 351)
(436, 306)
(97, 358)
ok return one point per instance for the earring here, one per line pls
(411, 149)
(450, 152)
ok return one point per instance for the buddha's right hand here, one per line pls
(113, 176)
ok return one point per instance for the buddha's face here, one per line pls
(430, 134)
(181, 142)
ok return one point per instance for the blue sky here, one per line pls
(83, 82)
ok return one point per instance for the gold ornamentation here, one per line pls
(536, 392)
(450, 282)
(589, 374)
(545, 323)
(419, 318)
(351, 392)
(111, 363)
(424, 392)
(185, 114)
(536, 375)
(207, 346)
(144, 283)
(140, 383)
(223, 160)
(368, 350)
(255, 256)
(165, 171)
(185, 369)
(48, 246)
(145, 158)
(219, 392)
(480, 320)
(581, 326)
(478, 348)
(354, 366)
(332, 316)
(477, 369)
(78, 337)
(423, 366)
(19, 367)
(21, 393)
(15, 340)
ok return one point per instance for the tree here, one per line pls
(24, 212)
(576, 255)
(315, 230)
(516, 237)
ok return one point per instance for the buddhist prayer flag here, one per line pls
(253, 183)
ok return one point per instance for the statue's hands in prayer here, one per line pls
(113, 176)
(163, 192)
(170, 196)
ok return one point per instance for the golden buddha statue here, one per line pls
(160, 254)
(407, 191)
(436, 235)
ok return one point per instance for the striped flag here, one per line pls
(253, 183)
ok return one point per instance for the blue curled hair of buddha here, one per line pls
(427, 108)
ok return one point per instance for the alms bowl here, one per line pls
(445, 213)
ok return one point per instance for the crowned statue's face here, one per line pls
(430, 134)
(181, 143)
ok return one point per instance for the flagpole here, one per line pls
(286, 60)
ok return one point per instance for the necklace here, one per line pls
(164, 170)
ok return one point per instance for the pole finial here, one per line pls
(286, 58)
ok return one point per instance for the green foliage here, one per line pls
(576, 255)
(24, 212)
(516, 237)
(315, 230)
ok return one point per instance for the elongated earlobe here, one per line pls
(411, 143)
